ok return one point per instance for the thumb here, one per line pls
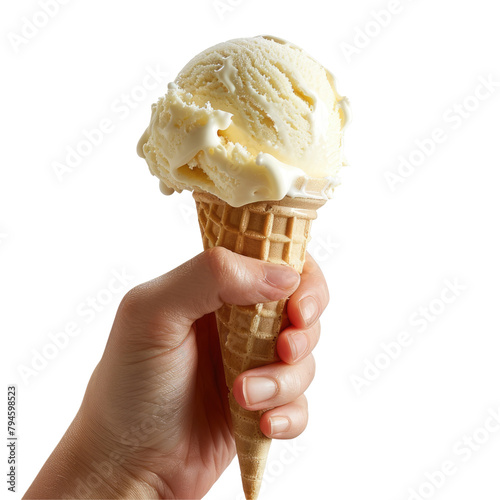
(171, 303)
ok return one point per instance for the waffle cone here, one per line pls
(276, 232)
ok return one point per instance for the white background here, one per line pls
(385, 252)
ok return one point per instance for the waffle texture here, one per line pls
(276, 232)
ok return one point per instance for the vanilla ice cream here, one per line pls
(247, 120)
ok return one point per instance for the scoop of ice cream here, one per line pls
(246, 120)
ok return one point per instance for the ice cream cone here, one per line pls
(276, 232)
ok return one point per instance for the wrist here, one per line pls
(84, 465)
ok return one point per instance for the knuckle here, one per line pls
(316, 334)
(221, 263)
(311, 367)
(303, 411)
(327, 294)
(299, 379)
(133, 301)
(291, 383)
(305, 404)
(305, 415)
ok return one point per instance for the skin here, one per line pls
(154, 421)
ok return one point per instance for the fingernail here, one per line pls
(281, 276)
(279, 424)
(298, 345)
(258, 389)
(309, 309)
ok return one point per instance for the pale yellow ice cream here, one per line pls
(247, 120)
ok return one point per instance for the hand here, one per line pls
(155, 419)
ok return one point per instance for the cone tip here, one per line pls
(251, 487)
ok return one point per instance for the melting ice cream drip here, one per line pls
(227, 73)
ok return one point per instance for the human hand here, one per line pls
(155, 419)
